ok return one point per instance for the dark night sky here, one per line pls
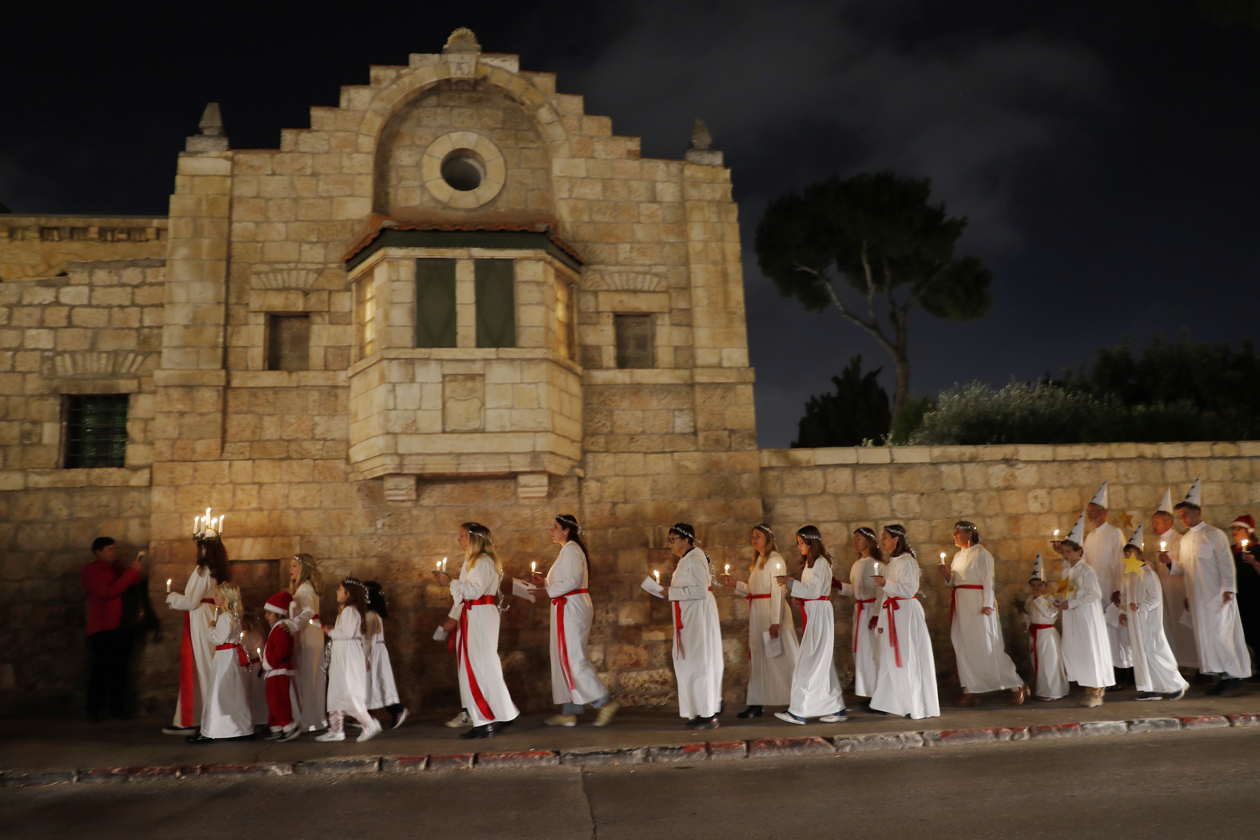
(1104, 152)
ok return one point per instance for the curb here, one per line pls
(812, 745)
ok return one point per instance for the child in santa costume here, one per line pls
(283, 712)
(1050, 680)
(382, 692)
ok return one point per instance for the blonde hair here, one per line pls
(308, 570)
(771, 545)
(232, 596)
(480, 542)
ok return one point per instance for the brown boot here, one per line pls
(966, 699)
(1093, 697)
(1019, 695)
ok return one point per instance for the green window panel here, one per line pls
(496, 303)
(435, 303)
(96, 431)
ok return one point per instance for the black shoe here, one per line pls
(867, 707)
(751, 712)
(1215, 689)
(1232, 688)
(199, 739)
(703, 723)
(483, 731)
(500, 725)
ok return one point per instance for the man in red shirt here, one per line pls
(106, 581)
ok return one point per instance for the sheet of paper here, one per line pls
(651, 587)
(521, 589)
(774, 647)
(1186, 619)
(439, 635)
(1112, 615)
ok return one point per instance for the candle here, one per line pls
(728, 566)
(1056, 533)
(1162, 545)
(196, 522)
(532, 567)
(437, 566)
(443, 564)
(877, 569)
(942, 558)
(658, 576)
(1244, 544)
(218, 529)
(168, 586)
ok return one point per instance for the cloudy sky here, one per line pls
(1103, 152)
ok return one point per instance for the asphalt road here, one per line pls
(1174, 785)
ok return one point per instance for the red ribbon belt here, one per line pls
(953, 597)
(755, 597)
(890, 605)
(679, 652)
(187, 670)
(857, 628)
(804, 617)
(1034, 629)
(562, 646)
(241, 656)
(478, 697)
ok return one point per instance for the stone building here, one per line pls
(454, 296)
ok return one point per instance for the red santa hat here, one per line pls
(279, 603)
(1245, 521)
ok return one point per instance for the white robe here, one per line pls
(1051, 678)
(769, 677)
(1104, 552)
(1180, 636)
(308, 656)
(979, 649)
(909, 688)
(381, 690)
(869, 598)
(1154, 666)
(815, 685)
(1207, 563)
(697, 648)
(568, 573)
(480, 650)
(1086, 648)
(229, 711)
(347, 666)
(200, 587)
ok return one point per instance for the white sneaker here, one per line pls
(839, 717)
(788, 717)
(461, 719)
(339, 735)
(561, 720)
(402, 718)
(374, 729)
(290, 733)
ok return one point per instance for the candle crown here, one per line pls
(208, 528)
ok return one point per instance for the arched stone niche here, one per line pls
(488, 123)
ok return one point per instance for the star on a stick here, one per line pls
(1126, 521)
(1132, 563)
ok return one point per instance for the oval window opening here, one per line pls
(463, 170)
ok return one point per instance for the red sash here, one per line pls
(241, 656)
(562, 647)
(890, 605)
(473, 687)
(754, 597)
(188, 671)
(679, 653)
(953, 598)
(804, 616)
(1034, 629)
(857, 620)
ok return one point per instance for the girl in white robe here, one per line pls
(906, 684)
(868, 598)
(574, 680)
(697, 648)
(815, 685)
(196, 649)
(769, 615)
(474, 624)
(347, 665)
(382, 691)
(1142, 612)
(979, 649)
(1050, 680)
(306, 585)
(228, 711)
(1086, 646)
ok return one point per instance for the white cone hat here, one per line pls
(1077, 534)
(1038, 572)
(1136, 539)
(1165, 505)
(1195, 495)
(1100, 498)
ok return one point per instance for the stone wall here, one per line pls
(43, 246)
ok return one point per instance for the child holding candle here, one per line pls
(347, 667)
(283, 710)
(382, 692)
(1142, 611)
(196, 652)
(906, 684)
(1086, 646)
(815, 685)
(1049, 679)
(861, 588)
(769, 616)
(306, 585)
(228, 711)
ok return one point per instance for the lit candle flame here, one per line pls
(533, 567)
(658, 576)
(728, 568)
(168, 586)
(942, 558)
(1162, 545)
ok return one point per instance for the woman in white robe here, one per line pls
(906, 684)
(815, 685)
(228, 711)
(574, 680)
(347, 665)
(306, 585)
(196, 649)
(1050, 680)
(697, 648)
(868, 598)
(1142, 612)
(1086, 646)
(769, 617)
(474, 624)
(976, 631)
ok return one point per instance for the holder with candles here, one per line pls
(208, 528)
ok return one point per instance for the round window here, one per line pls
(463, 170)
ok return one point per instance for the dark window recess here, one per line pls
(96, 431)
(289, 342)
(435, 303)
(496, 303)
(635, 347)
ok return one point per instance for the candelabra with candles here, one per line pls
(208, 528)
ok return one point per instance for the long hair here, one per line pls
(573, 533)
(213, 556)
(814, 545)
(232, 596)
(771, 545)
(480, 542)
(376, 598)
(872, 543)
(357, 598)
(898, 532)
(308, 570)
(969, 526)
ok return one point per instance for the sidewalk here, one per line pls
(44, 751)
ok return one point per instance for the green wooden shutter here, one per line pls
(496, 303)
(435, 303)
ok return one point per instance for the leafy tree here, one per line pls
(857, 411)
(879, 234)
